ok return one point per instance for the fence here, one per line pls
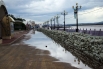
(91, 32)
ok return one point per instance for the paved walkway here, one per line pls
(21, 56)
(16, 36)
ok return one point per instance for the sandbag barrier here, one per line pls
(90, 45)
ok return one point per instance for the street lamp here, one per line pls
(57, 17)
(51, 22)
(64, 13)
(48, 24)
(45, 24)
(54, 21)
(76, 14)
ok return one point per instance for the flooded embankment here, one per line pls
(74, 58)
(89, 48)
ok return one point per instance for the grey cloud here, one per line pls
(33, 8)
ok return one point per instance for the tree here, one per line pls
(21, 19)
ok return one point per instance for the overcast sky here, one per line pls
(43, 10)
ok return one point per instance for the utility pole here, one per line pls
(64, 13)
(76, 14)
(51, 22)
(54, 21)
(57, 17)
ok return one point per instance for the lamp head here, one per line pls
(73, 7)
(76, 4)
(80, 6)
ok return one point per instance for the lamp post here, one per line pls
(57, 17)
(54, 21)
(48, 24)
(64, 13)
(51, 22)
(76, 14)
(45, 24)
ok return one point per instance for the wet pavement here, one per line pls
(16, 35)
(21, 56)
(37, 51)
(41, 41)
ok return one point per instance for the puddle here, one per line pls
(41, 41)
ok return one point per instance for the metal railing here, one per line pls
(91, 32)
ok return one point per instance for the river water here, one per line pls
(92, 27)
(39, 40)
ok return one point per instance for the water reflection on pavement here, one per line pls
(41, 41)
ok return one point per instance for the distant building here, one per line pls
(28, 26)
(19, 25)
(40, 25)
(33, 25)
(37, 26)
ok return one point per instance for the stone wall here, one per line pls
(90, 45)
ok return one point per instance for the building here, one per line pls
(7, 27)
(33, 25)
(19, 25)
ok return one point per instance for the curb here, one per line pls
(16, 39)
(12, 41)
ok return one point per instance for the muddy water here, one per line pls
(41, 41)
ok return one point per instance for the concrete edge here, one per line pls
(16, 39)
(12, 41)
